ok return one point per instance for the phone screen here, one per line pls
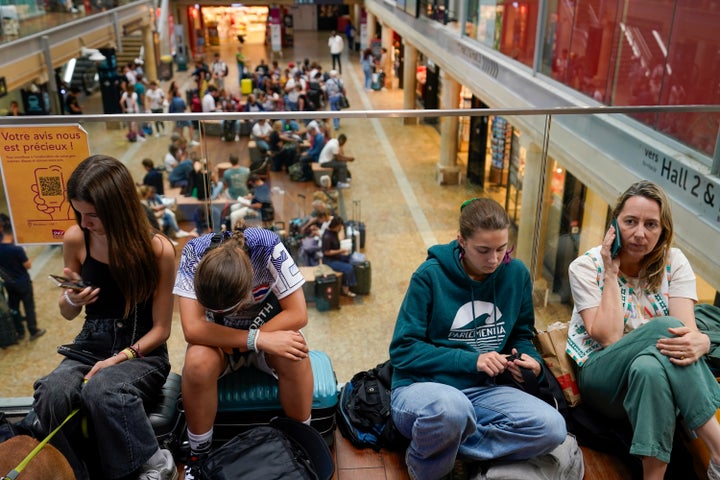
(65, 282)
(617, 243)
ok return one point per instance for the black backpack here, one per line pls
(364, 410)
(284, 450)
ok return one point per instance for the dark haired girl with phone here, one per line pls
(127, 317)
(634, 336)
(468, 308)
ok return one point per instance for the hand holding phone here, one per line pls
(64, 282)
(617, 243)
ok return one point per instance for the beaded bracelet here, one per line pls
(252, 340)
(70, 302)
(136, 350)
(129, 352)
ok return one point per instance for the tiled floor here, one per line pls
(405, 211)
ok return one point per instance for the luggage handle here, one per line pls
(357, 214)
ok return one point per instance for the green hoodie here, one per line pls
(447, 320)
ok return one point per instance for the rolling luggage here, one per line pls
(363, 276)
(246, 86)
(356, 224)
(327, 292)
(249, 397)
(245, 128)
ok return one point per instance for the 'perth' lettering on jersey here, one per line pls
(480, 325)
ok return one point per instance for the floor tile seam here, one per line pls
(421, 222)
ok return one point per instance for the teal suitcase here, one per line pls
(249, 397)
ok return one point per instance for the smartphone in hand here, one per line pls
(64, 282)
(617, 243)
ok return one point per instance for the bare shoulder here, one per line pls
(74, 237)
(162, 247)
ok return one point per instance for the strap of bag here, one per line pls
(13, 474)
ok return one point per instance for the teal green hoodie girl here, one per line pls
(448, 319)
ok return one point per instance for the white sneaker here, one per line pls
(237, 138)
(193, 143)
(166, 471)
(141, 138)
(157, 135)
(182, 234)
(342, 185)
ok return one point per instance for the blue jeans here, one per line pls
(346, 268)
(335, 106)
(479, 423)
(112, 401)
(368, 77)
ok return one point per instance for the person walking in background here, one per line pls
(14, 266)
(154, 99)
(219, 71)
(367, 61)
(334, 89)
(337, 45)
(127, 310)
(72, 104)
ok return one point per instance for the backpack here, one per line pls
(286, 449)
(363, 413)
(296, 171)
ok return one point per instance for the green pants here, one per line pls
(631, 377)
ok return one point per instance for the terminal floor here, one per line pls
(404, 208)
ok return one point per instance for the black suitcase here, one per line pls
(363, 276)
(245, 128)
(249, 397)
(327, 293)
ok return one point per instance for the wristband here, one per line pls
(129, 353)
(70, 302)
(252, 340)
(255, 340)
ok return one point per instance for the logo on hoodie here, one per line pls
(478, 324)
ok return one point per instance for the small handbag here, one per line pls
(343, 102)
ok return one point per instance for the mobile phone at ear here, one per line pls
(64, 282)
(617, 243)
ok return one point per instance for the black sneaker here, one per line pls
(38, 333)
(193, 467)
(20, 334)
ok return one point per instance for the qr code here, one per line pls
(50, 186)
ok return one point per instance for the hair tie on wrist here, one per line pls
(70, 302)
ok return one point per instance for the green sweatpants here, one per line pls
(631, 377)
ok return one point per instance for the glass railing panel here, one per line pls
(405, 190)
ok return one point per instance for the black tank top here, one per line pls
(111, 301)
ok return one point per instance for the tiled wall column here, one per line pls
(409, 81)
(387, 38)
(150, 65)
(370, 28)
(448, 172)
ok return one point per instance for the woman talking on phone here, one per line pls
(128, 312)
(634, 336)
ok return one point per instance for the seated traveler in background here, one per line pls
(128, 313)
(338, 258)
(153, 177)
(468, 307)
(634, 336)
(333, 155)
(253, 204)
(235, 179)
(225, 287)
